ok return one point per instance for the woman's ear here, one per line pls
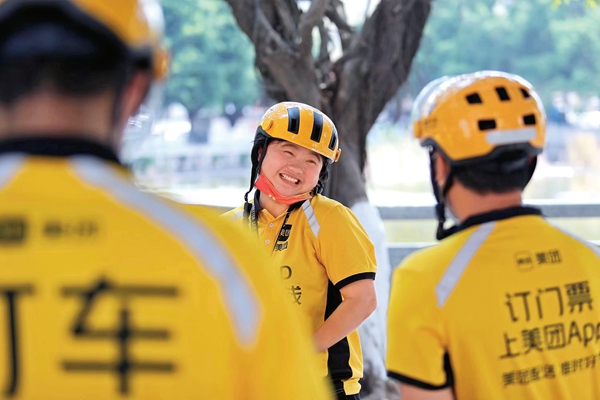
(259, 154)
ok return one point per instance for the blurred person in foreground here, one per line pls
(504, 307)
(108, 292)
(325, 258)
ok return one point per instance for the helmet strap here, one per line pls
(260, 156)
(531, 166)
(440, 197)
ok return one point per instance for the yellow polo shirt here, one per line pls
(109, 293)
(504, 309)
(321, 248)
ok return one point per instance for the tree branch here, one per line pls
(367, 9)
(336, 14)
(288, 23)
(286, 67)
(273, 38)
(311, 18)
(244, 12)
(324, 48)
(380, 56)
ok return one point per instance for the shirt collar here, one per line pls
(496, 215)
(57, 147)
(259, 208)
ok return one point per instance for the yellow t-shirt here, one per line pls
(504, 309)
(109, 293)
(321, 248)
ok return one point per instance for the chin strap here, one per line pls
(253, 175)
(440, 197)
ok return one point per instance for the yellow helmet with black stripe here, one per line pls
(475, 117)
(118, 21)
(303, 125)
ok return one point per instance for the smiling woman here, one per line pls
(326, 260)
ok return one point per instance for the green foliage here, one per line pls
(212, 59)
(589, 3)
(555, 48)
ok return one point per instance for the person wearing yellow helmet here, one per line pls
(325, 258)
(484, 313)
(107, 292)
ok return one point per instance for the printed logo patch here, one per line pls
(13, 230)
(524, 260)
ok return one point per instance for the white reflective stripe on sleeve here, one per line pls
(312, 219)
(460, 261)
(237, 216)
(240, 301)
(589, 245)
(9, 166)
(510, 136)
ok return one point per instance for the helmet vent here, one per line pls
(333, 140)
(317, 129)
(529, 119)
(474, 99)
(487, 124)
(525, 93)
(293, 119)
(502, 93)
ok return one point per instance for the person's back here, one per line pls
(105, 291)
(503, 307)
(514, 304)
(109, 292)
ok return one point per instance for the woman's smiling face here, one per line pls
(292, 169)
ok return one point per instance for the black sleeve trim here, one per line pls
(414, 382)
(410, 381)
(354, 278)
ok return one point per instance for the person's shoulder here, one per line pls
(200, 211)
(215, 220)
(234, 215)
(324, 202)
(324, 207)
(433, 260)
(570, 239)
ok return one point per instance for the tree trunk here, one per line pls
(373, 332)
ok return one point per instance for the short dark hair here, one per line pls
(505, 174)
(52, 55)
(77, 77)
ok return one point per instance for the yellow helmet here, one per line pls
(122, 21)
(303, 125)
(474, 117)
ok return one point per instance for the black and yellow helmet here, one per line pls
(303, 125)
(475, 117)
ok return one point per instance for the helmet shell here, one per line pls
(476, 117)
(303, 125)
